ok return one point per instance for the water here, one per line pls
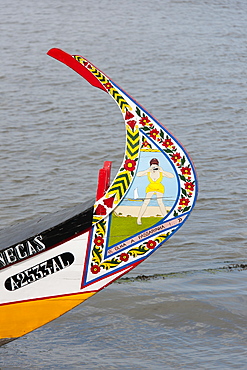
(185, 62)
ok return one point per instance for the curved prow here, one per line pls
(67, 260)
(146, 140)
(68, 59)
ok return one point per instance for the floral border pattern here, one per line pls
(98, 263)
(168, 145)
(123, 179)
(139, 126)
(137, 120)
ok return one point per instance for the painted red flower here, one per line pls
(128, 115)
(189, 186)
(144, 120)
(95, 269)
(151, 244)
(186, 171)
(176, 157)
(108, 85)
(145, 143)
(131, 123)
(167, 143)
(130, 165)
(184, 202)
(154, 133)
(124, 257)
(98, 241)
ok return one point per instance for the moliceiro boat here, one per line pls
(52, 265)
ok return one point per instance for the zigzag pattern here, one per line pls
(79, 59)
(120, 185)
(99, 75)
(124, 178)
(113, 92)
(92, 69)
(132, 143)
(120, 100)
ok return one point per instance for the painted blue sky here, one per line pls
(171, 185)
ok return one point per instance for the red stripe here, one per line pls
(49, 297)
(67, 59)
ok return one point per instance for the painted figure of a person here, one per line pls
(155, 175)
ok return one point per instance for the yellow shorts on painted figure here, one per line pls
(155, 186)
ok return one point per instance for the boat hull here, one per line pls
(19, 318)
(49, 267)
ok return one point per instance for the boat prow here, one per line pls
(49, 266)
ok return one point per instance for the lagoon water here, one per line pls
(185, 62)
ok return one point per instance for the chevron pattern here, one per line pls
(120, 185)
(132, 143)
(112, 91)
(124, 178)
(99, 75)
(92, 69)
(123, 105)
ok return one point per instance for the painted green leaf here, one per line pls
(182, 177)
(138, 251)
(107, 264)
(184, 192)
(168, 150)
(138, 112)
(145, 128)
(186, 209)
(101, 228)
(97, 254)
(162, 237)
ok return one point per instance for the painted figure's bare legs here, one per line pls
(146, 203)
(161, 204)
(144, 207)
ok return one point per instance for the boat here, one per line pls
(51, 265)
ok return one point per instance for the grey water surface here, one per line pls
(185, 62)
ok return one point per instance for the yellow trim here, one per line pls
(149, 150)
(17, 319)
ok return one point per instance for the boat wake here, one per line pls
(180, 274)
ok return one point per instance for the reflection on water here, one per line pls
(185, 61)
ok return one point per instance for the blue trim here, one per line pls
(166, 130)
(172, 164)
(107, 233)
(143, 231)
(142, 258)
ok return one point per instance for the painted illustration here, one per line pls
(51, 265)
(150, 197)
(155, 175)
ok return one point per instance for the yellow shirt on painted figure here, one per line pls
(155, 186)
